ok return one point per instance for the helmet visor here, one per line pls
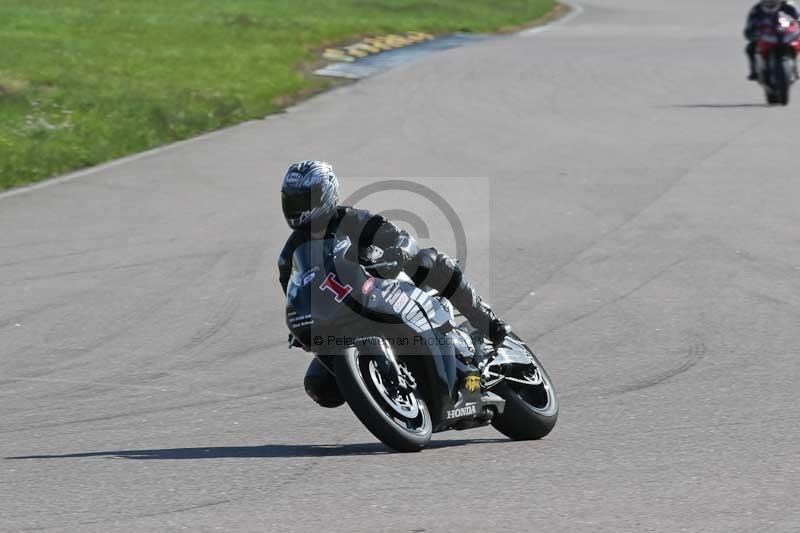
(297, 203)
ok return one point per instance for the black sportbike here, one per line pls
(400, 362)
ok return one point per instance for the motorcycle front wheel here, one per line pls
(781, 73)
(397, 416)
(788, 69)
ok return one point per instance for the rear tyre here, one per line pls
(400, 419)
(531, 412)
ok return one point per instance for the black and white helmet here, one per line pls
(310, 193)
(771, 6)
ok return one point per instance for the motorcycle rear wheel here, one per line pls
(530, 412)
(361, 389)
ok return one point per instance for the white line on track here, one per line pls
(576, 10)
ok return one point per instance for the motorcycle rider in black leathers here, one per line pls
(310, 198)
(763, 13)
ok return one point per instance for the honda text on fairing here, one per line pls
(401, 363)
(777, 44)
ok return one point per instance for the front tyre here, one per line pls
(531, 411)
(781, 83)
(396, 415)
(780, 78)
(772, 98)
(788, 69)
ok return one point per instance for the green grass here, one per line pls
(85, 81)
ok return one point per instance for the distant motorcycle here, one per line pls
(402, 365)
(777, 46)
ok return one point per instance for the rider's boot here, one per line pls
(751, 56)
(478, 313)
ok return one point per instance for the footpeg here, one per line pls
(492, 401)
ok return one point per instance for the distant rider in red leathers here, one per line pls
(763, 13)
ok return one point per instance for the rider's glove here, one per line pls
(393, 254)
(396, 253)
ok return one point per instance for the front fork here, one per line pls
(761, 68)
(764, 69)
(391, 369)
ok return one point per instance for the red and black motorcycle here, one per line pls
(777, 45)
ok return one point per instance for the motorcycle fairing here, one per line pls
(386, 308)
(783, 31)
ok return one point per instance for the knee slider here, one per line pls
(422, 265)
(426, 258)
(446, 264)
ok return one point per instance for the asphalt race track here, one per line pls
(645, 239)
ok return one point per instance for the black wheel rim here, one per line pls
(403, 408)
(539, 398)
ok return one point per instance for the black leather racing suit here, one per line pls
(362, 227)
(758, 17)
(427, 265)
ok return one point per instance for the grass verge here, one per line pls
(82, 81)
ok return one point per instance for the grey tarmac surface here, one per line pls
(646, 241)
